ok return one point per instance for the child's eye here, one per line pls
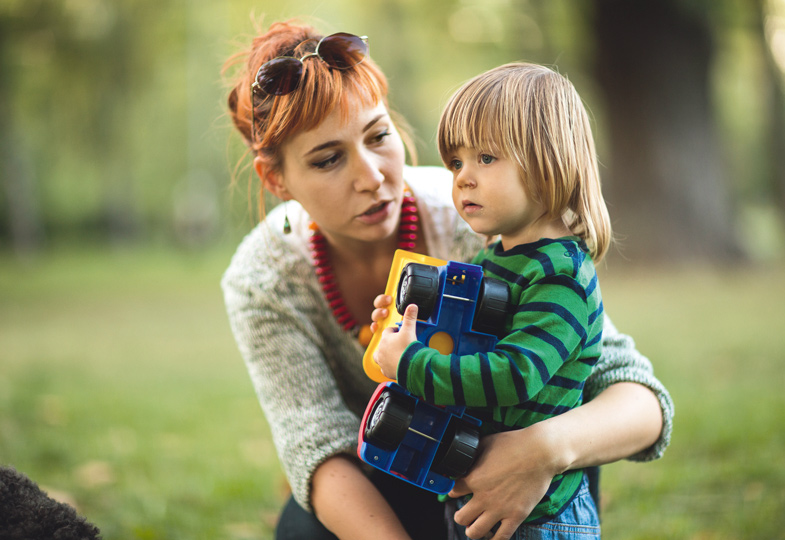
(487, 159)
(456, 164)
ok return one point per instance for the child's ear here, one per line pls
(271, 180)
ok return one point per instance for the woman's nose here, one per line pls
(368, 174)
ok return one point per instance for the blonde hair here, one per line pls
(534, 116)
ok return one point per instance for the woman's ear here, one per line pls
(271, 180)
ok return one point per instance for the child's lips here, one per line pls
(470, 207)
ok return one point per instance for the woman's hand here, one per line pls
(515, 468)
(394, 341)
(511, 475)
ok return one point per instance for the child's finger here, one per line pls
(409, 318)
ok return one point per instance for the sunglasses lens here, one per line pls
(343, 51)
(280, 76)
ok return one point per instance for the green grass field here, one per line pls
(122, 392)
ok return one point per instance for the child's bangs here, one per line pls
(472, 121)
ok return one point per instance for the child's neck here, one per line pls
(541, 229)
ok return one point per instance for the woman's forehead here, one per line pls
(338, 125)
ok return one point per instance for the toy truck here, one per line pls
(459, 311)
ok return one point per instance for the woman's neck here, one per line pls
(353, 272)
(360, 271)
(353, 252)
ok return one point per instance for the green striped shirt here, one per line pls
(538, 369)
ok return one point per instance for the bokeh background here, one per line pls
(123, 193)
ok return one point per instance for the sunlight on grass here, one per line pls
(122, 392)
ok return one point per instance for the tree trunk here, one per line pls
(775, 127)
(665, 183)
(25, 230)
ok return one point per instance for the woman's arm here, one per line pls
(314, 431)
(349, 505)
(273, 311)
(630, 416)
(624, 419)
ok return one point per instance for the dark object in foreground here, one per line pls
(28, 513)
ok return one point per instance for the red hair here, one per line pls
(321, 90)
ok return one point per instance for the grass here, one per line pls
(717, 341)
(122, 392)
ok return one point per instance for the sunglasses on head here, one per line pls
(282, 75)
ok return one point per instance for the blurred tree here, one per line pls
(666, 180)
(65, 76)
(109, 111)
(20, 219)
(775, 120)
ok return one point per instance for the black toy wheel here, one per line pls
(493, 304)
(419, 284)
(389, 420)
(457, 450)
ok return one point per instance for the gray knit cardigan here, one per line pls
(307, 372)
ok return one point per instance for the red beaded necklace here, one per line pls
(407, 238)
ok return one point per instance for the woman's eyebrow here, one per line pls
(322, 146)
(328, 144)
(370, 124)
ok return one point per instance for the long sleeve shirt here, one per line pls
(552, 341)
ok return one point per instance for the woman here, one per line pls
(314, 114)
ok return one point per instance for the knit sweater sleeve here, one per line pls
(621, 362)
(271, 304)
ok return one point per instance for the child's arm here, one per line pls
(523, 352)
(552, 325)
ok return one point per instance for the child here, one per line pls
(518, 142)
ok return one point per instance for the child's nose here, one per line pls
(464, 178)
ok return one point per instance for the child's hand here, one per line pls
(394, 341)
(380, 303)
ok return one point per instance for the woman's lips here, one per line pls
(375, 214)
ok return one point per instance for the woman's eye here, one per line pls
(381, 136)
(325, 163)
(487, 159)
